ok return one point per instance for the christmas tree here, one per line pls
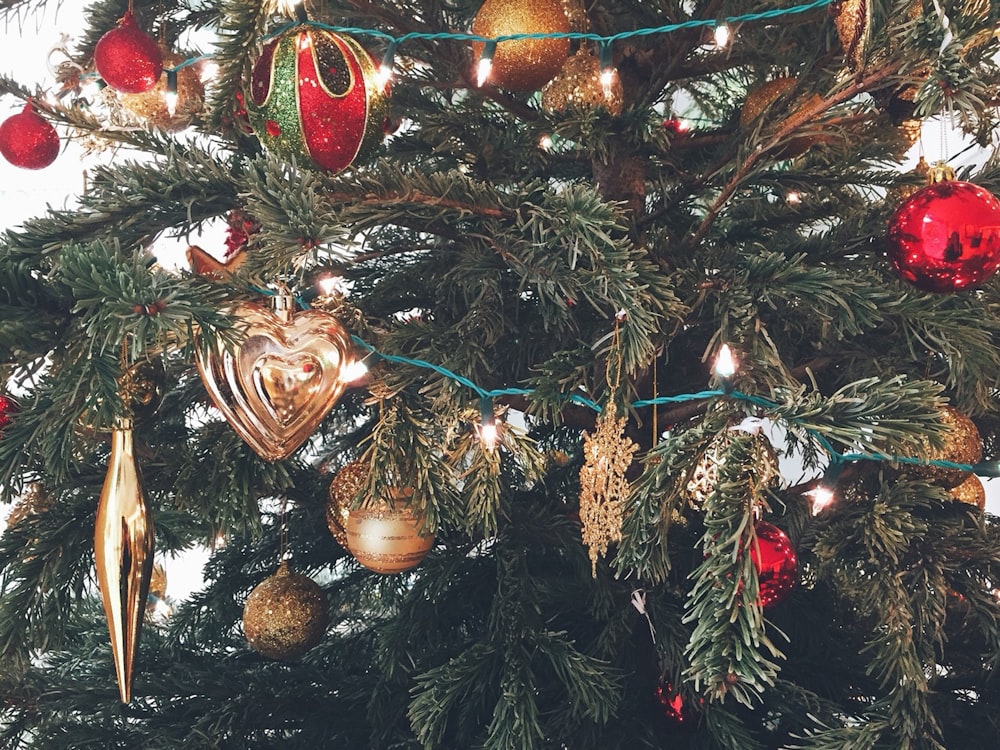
(487, 401)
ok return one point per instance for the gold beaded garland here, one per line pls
(285, 615)
(522, 64)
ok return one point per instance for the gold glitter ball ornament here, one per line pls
(151, 106)
(971, 492)
(962, 445)
(386, 536)
(522, 64)
(578, 87)
(346, 486)
(705, 474)
(285, 615)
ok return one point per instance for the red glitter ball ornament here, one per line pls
(946, 237)
(28, 140)
(776, 563)
(314, 96)
(127, 58)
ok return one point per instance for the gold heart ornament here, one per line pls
(282, 380)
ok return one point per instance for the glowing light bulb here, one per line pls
(486, 62)
(821, 497)
(384, 75)
(794, 197)
(353, 371)
(488, 433)
(725, 362)
(545, 142)
(608, 71)
(209, 71)
(723, 35)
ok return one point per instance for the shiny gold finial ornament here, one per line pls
(123, 553)
(578, 87)
(962, 444)
(285, 615)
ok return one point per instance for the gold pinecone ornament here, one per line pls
(285, 615)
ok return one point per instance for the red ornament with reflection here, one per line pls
(8, 408)
(946, 237)
(127, 58)
(28, 140)
(777, 566)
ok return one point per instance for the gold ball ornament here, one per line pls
(285, 615)
(704, 475)
(971, 492)
(386, 536)
(962, 444)
(346, 486)
(578, 87)
(151, 106)
(522, 64)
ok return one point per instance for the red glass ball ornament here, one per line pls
(777, 566)
(946, 237)
(28, 140)
(314, 96)
(127, 58)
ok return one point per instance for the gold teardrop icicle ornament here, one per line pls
(123, 553)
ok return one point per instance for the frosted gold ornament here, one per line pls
(346, 486)
(704, 474)
(123, 554)
(971, 491)
(386, 536)
(522, 64)
(607, 455)
(962, 444)
(282, 380)
(153, 107)
(285, 615)
(576, 15)
(578, 87)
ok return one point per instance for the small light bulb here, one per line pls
(545, 142)
(821, 497)
(170, 98)
(353, 371)
(488, 434)
(725, 362)
(486, 62)
(607, 82)
(793, 197)
(723, 36)
(329, 285)
(383, 77)
(209, 71)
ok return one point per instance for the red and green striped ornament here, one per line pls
(314, 96)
